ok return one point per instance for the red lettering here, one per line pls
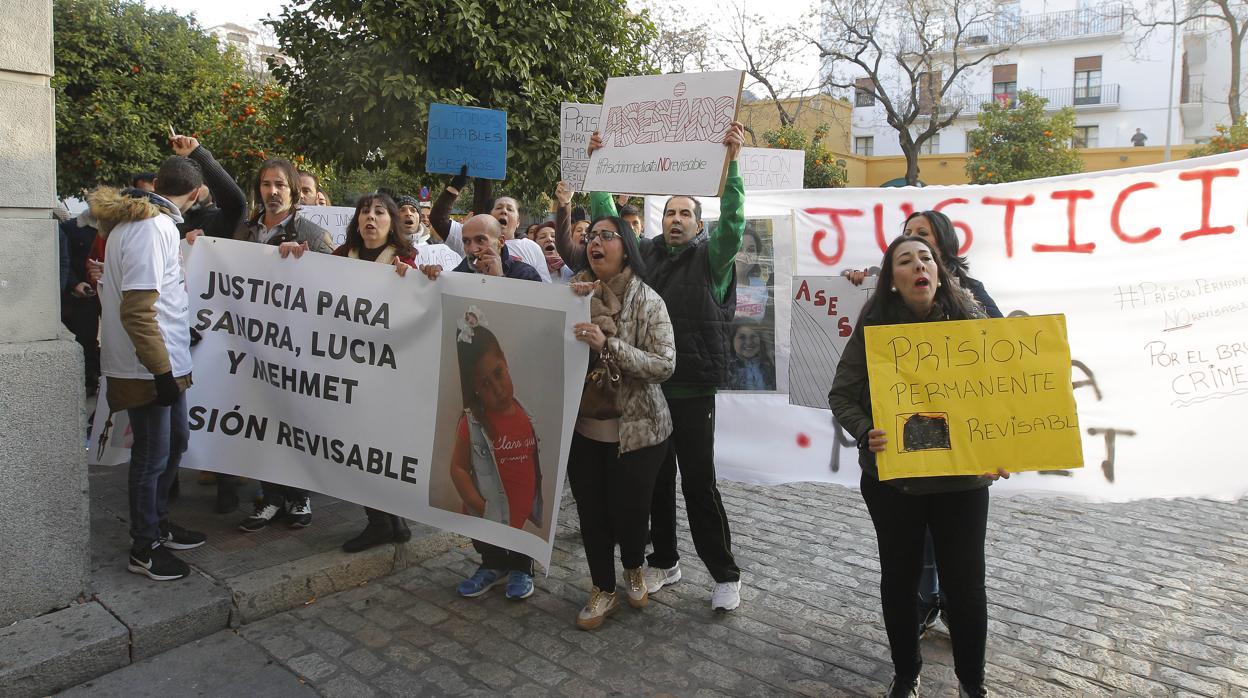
(834, 215)
(803, 292)
(1072, 197)
(1010, 205)
(1116, 224)
(1206, 178)
(966, 229)
(879, 227)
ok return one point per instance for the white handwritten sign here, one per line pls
(772, 168)
(663, 134)
(335, 219)
(577, 122)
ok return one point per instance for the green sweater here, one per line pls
(725, 243)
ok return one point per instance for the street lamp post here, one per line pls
(1174, 47)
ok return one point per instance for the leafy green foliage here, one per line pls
(1022, 143)
(1228, 138)
(124, 74)
(364, 74)
(822, 172)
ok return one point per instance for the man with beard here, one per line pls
(308, 188)
(695, 274)
(276, 223)
(505, 210)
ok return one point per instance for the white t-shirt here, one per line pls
(144, 256)
(528, 251)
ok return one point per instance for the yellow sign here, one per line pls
(970, 396)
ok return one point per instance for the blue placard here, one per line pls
(469, 136)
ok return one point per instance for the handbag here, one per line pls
(600, 399)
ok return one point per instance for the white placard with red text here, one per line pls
(665, 133)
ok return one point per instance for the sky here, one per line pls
(251, 12)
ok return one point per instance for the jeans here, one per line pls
(693, 451)
(929, 581)
(613, 495)
(496, 558)
(958, 522)
(160, 438)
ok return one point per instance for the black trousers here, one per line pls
(496, 558)
(281, 495)
(693, 451)
(613, 496)
(957, 521)
(82, 317)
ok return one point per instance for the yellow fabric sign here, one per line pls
(970, 396)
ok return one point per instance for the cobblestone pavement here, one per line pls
(1145, 598)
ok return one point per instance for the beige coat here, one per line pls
(645, 350)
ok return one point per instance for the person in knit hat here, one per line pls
(410, 223)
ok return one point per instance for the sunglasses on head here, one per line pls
(606, 235)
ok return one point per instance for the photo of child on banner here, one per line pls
(493, 417)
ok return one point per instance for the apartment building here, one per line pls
(1094, 57)
(249, 42)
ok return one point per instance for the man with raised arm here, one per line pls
(695, 274)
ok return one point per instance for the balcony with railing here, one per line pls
(1019, 30)
(1084, 98)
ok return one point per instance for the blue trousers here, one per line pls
(160, 438)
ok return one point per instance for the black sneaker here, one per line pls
(300, 512)
(157, 563)
(175, 537)
(265, 513)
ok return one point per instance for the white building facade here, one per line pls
(1096, 58)
(250, 44)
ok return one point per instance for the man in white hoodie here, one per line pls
(145, 351)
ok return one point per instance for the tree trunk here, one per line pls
(482, 195)
(1232, 97)
(912, 163)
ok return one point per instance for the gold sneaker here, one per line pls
(635, 582)
(600, 605)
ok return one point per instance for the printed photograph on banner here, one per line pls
(498, 424)
(752, 365)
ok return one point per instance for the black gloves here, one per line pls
(167, 389)
(459, 180)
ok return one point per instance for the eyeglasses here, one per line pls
(606, 235)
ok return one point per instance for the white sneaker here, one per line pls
(600, 605)
(657, 578)
(635, 584)
(726, 597)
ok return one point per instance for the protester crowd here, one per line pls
(665, 332)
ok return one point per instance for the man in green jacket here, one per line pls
(695, 273)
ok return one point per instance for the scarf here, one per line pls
(554, 264)
(608, 299)
(385, 255)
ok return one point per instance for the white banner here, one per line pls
(1141, 261)
(764, 169)
(335, 219)
(665, 133)
(338, 376)
(577, 122)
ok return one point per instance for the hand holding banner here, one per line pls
(663, 134)
(971, 396)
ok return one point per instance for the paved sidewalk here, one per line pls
(1146, 598)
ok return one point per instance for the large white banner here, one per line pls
(1142, 262)
(419, 398)
(665, 133)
